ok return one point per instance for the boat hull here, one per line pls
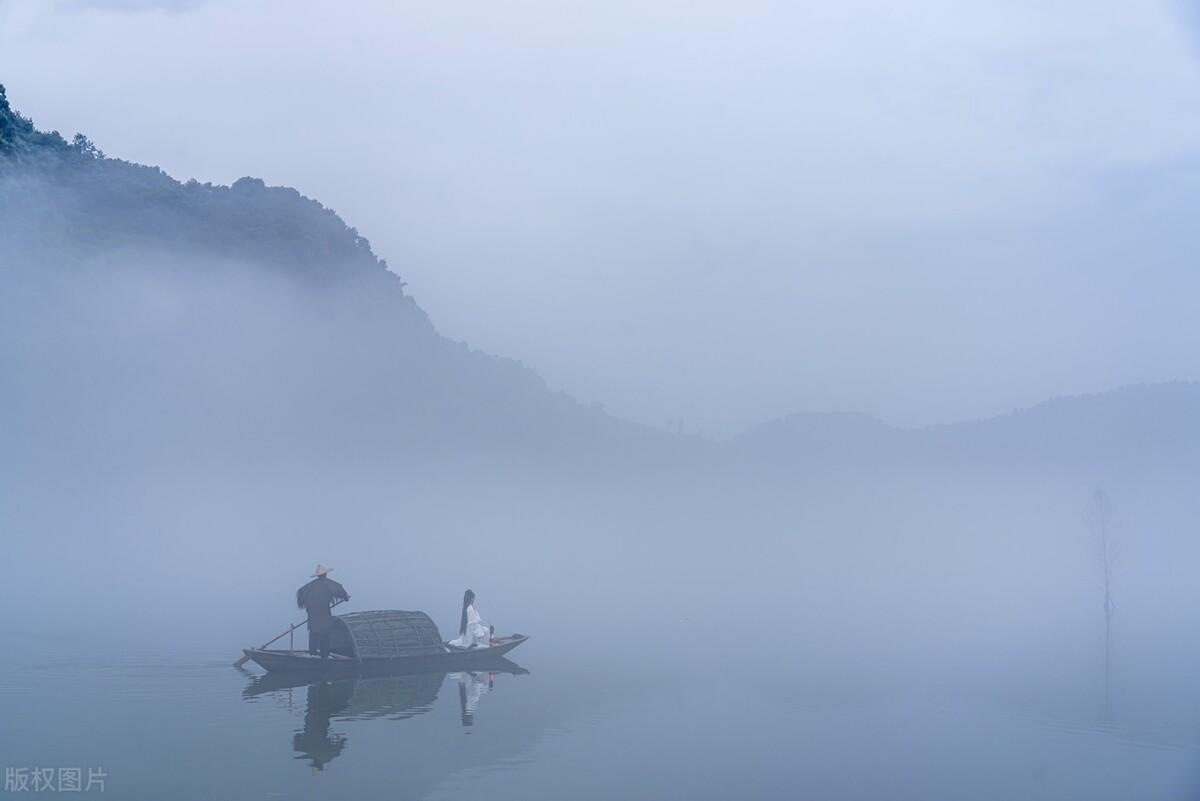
(280, 661)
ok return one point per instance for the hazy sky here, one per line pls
(719, 212)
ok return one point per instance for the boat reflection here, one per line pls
(395, 696)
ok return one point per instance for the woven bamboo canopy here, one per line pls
(387, 633)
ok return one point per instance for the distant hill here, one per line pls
(148, 321)
(1138, 428)
(90, 203)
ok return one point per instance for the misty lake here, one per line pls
(871, 657)
(575, 726)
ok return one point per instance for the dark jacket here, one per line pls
(316, 597)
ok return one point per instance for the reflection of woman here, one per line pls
(470, 687)
(471, 631)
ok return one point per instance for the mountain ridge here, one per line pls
(1137, 425)
(264, 294)
(253, 317)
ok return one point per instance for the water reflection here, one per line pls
(471, 686)
(315, 742)
(361, 697)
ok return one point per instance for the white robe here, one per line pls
(477, 633)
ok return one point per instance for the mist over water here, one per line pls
(840, 639)
(701, 624)
(698, 628)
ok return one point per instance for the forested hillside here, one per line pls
(160, 321)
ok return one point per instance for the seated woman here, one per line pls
(471, 631)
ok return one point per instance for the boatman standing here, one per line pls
(316, 597)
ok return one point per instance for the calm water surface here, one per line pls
(573, 726)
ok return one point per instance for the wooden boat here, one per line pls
(382, 641)
(264, 683)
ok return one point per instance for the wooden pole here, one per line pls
(290, 629)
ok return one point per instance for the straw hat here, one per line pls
(321, 570)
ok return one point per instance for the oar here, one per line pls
(246, 657)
